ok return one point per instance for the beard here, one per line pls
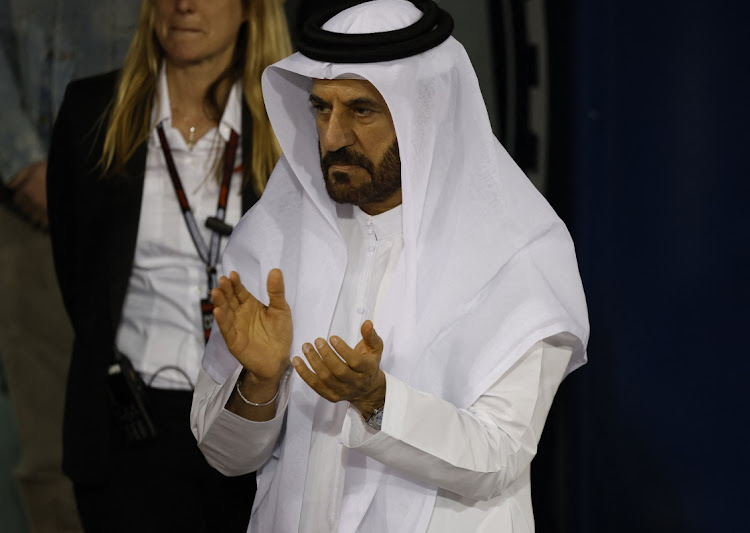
(385, 180)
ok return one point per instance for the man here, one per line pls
(446, 287)
(44, 45)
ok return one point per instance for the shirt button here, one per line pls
(371, 248)
(361, 310)
(370, 231)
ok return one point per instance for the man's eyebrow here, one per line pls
(363, 102)
(317, 100)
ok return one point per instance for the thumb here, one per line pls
(370, 336)
(275, 287)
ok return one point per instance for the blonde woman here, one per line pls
(149, 169)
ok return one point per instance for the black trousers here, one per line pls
(166, 485)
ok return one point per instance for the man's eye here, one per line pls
(363, 112)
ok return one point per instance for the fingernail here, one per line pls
(320, 343)
(335, 341)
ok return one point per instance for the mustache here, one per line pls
(346, 156)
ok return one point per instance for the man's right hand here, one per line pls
(259, 336)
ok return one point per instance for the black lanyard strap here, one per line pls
(208, 254)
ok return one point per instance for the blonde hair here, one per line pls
(266, 40)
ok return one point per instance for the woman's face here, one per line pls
(192, 32)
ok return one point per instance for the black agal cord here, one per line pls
(434, 27)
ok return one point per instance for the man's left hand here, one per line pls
(355, 376)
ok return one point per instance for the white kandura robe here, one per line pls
(482, 453)
(487, 272)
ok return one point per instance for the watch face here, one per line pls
(376, 419)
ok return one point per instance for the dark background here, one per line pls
(647, 165)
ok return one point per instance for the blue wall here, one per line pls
(649, 168)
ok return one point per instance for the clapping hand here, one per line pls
(259, 336)
(355, 376)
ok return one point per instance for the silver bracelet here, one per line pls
(248, 402)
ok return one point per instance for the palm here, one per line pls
(338, 372)
(259, 337)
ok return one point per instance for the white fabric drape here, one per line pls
(487, 268)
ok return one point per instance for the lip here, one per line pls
(343, 167)
(181, 29)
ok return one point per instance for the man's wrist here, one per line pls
(375, 399)
(252, 403)
(253, 399)
(255, 391)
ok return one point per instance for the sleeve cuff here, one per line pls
(235, 445)
(356, 432)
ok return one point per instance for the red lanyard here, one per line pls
(209, 255)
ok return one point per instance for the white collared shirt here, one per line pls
(161, 321)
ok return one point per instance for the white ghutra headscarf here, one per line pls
(487, 269)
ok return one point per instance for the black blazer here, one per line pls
(93, 222)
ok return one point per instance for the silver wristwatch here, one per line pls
(375, 420)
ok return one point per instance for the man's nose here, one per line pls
(337, 133)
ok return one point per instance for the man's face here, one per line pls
(358, 150)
